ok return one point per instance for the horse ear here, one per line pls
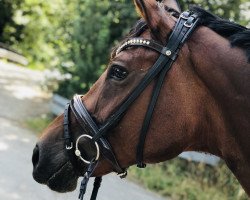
(155, 15)
(148, 9)
(172, 4)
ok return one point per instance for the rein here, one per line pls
(185, 25)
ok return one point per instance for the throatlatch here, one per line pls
(185, 25)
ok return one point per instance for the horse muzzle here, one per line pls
(51, 166)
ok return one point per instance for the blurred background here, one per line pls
(61, 47)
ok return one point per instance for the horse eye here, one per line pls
(118, 73)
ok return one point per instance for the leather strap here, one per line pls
(149, 113)
(176, 40)
(151, 44)
(183, 28)
(97, 185)
(152, 73)
(68, 139)
(67, 135)
(85, 180)
(115, 117)
(82, 115)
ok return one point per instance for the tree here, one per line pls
(9, 30)
(75, 36)
(98, 25)
(228, 9)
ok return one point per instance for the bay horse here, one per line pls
(201, 104)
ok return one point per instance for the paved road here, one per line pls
(20, 97)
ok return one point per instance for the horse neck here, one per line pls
(225, 73)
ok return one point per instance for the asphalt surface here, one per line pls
(20, 99)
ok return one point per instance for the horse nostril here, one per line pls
(35, 156)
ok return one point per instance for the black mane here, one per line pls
(238, 35)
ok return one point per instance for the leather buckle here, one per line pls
(69, 147)
(141, 165)
(188, 25)
(123, 174)
(185, 15)
(190, 21)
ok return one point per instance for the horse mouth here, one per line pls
(64, 179)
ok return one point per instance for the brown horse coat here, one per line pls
(204, 104)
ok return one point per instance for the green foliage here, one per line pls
(10, 31)
(45, 32)
(38, 29)
(99, 24)
(228, 9)
(185, 180)
(75, 36)
(98, 27)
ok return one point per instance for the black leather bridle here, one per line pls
(185, 25)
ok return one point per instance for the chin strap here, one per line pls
(97, 182)
(85, 180)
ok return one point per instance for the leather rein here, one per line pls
(185, 25)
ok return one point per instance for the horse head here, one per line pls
(189, 114)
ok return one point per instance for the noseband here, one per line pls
(185, 25)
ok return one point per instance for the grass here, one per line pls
(38, 124)
(185, 180)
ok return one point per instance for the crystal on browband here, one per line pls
(133, 42)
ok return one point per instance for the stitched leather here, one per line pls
(81, 114)
(168, 54)
(177, 38)
(115, 117)
(175, 42)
